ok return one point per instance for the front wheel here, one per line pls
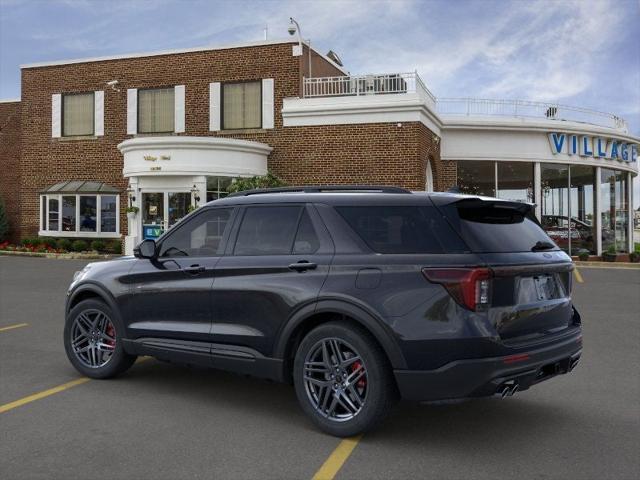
(343, 380)
(93, 340)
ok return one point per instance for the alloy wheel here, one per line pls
(93, 338)
(335, 379)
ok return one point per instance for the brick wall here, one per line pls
(10, 161)
(371, 153)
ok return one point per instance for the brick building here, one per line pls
(166, 131)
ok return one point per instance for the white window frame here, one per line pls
(77, 233)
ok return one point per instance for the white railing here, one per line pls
(356, 85)
(524, 108)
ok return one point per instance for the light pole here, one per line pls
(294, 27)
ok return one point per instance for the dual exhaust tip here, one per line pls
(507, 389)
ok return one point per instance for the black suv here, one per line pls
(356, 295)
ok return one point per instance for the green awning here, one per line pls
(81, 186)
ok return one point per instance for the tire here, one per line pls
(98, 350)
(360, 401)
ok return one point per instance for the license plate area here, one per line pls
(545, 287)
(539, 288)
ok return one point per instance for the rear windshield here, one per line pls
(488, 227)
(404, 229)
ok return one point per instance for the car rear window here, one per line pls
(402, 229)
(497, 227)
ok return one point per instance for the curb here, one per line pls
(618, 265)
(62, 256)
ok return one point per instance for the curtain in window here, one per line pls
(241, 105)
(77, 111)
(156, 110)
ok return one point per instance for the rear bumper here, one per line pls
(485, 376)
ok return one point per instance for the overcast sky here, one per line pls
(583, 52)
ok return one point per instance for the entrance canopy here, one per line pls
(80, 186)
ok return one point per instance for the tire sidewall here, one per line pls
(118, 360)
(376, 383)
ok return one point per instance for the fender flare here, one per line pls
(360, 314)
(98, 290)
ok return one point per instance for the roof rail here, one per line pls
(321, 189)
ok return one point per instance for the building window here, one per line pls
(217, 187)
(614, 209)
(78, 114)
(477, 177)
(581, 200)
(80, 215)
(156, 110)
(241, 105)
(515, 181)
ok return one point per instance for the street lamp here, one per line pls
(294, 27)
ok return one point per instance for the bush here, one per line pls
(583, 255)
(29, 241)
(4, 222)
(115, 247)
(79, 246)
(47, 242)
(65, 244)
(265, 181)
(97, 245)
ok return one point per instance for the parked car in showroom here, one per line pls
(356, 295)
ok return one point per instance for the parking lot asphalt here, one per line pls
(161, 421)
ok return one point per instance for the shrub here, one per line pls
(79, 246)
(261, 181)
(583, 255)
(29, 241)
(47, 242)
(98, 245)
(115, 247)
(4, 222)
(65, 244)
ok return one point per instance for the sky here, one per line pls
(584, 53)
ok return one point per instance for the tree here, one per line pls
(260, 181)
(4, 222)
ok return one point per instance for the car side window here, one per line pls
(267, 230)
(307, 241)
(200, 236)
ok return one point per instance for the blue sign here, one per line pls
(151, 231)
(597, 147)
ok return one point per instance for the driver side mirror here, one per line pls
(146, 249)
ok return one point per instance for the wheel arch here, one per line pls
(89, 291)
(324, 311)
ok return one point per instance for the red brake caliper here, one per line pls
(112, 333)
(363, 381)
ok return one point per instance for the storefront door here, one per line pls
(162, 210)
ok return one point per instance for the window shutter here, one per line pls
(214, 106)
(267, 103)
(56, 115)
(132, 111)
(98, 111)
(179, 108)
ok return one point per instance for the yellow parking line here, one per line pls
(334, 463)
(578, 276)
(37, 396)
(11, 327)
(52, 391)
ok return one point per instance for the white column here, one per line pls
(537, 189)
(630, 212)
(134, 228)
(598, 213)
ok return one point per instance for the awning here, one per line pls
(81, 186)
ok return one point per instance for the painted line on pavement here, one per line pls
(576, 273)
(334, 463)
(52, 391)
(11, 327)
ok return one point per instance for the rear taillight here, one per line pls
(470, 287)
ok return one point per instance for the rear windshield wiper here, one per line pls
(542, 246)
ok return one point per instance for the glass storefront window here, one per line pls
(477, 177)
(69, 213)
(179, 203)
(555, 202)
(515, 181)
(88, 213)
(108, 213)
(583, 231)
(614, 210)
(217, 187)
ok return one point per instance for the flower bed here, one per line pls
(53, 246)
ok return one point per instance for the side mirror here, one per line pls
(146, 249)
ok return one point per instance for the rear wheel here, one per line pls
(343, 379)
(93, 340)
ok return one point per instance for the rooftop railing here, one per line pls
(402, 83)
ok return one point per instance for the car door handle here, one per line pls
(194, 269)
(303, 266)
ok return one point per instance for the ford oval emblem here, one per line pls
(547, 255)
